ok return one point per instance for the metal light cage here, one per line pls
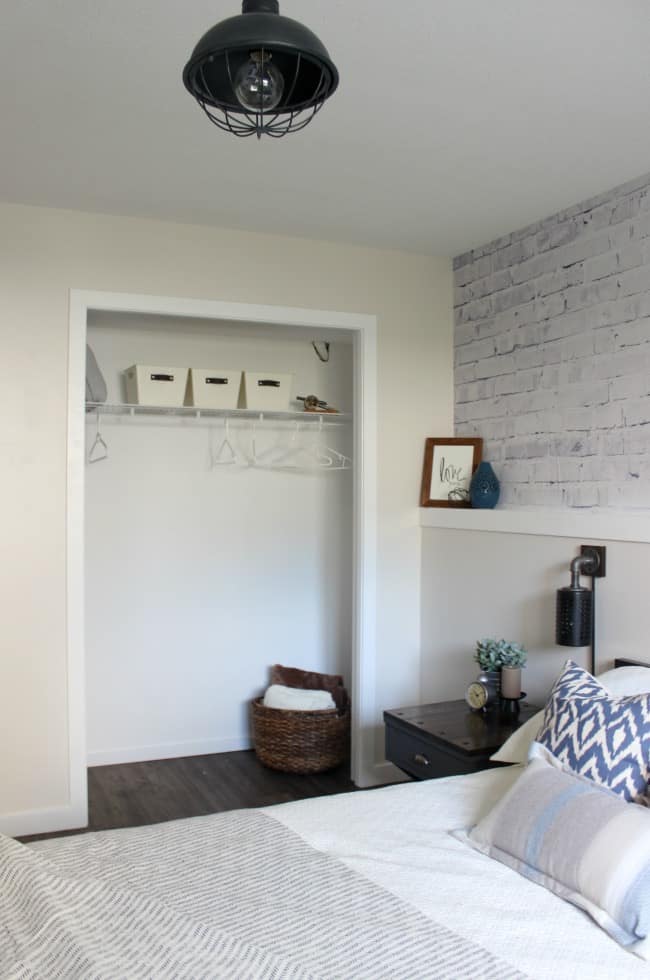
(310, 77)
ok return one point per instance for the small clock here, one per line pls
(481, 693)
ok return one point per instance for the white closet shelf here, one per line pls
(189, 411)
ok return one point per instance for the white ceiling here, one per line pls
(455, 120)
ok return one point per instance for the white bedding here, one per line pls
(397, 838)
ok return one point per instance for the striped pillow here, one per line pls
(578, 840)
(605, 738)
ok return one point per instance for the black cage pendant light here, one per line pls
(260, 72)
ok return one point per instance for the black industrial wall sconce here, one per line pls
(575, 611)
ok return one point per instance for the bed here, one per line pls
(363, 885)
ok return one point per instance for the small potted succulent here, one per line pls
(502, 660)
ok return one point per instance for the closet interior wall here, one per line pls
(200, 576)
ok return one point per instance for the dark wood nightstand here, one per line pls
(447, 739)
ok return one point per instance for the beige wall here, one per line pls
(482, 583)
(44, 253)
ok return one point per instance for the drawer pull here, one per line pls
(421, 759)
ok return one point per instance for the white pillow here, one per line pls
(625, 682)
(620, 681)
(515, 749)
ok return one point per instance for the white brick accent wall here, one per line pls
(552, 354)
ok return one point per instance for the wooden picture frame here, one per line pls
(449, 465)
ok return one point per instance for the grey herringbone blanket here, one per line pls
(233, 895)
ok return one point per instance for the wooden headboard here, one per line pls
(624, 662)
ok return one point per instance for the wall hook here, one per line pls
(322, 357)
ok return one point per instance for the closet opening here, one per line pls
(206, 544)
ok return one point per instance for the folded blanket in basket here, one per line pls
(311, 680)
(294, 699)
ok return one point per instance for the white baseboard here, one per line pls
(167, 750)
(43, 821)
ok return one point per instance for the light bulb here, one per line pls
(258, 84)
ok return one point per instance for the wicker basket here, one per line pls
(300, 741)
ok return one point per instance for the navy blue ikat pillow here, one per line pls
(605, 738)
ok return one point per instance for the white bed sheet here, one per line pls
(398, 837)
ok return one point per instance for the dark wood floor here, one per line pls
(169, 789)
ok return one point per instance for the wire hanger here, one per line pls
(339, 460)
(255, 458)
(99, 450)
(314, 456)
(265, 458)
(296, 456)
(225, 455)
(322, 454)
(327, 457)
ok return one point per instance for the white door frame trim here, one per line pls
(364, 328)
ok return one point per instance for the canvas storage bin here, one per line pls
(153, 385)
(266, 392)
(213, 388)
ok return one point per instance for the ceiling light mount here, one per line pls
(260, 6)
(260, 73)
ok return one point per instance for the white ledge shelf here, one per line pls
(597, 524)
(190, 411)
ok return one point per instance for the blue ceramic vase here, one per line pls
(485, 488)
